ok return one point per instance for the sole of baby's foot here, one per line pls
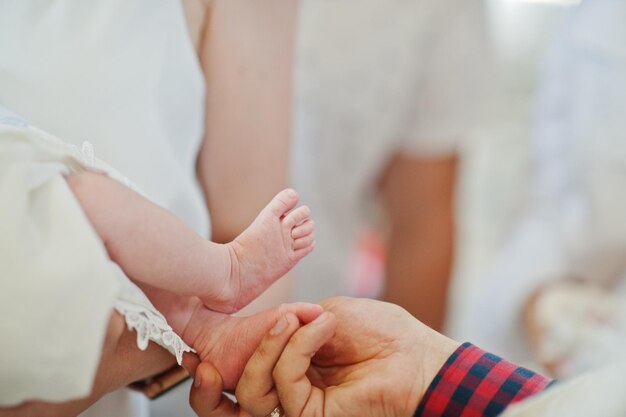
(280, 236)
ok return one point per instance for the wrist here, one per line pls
(431, 353)
(177, 309)
(194, 332)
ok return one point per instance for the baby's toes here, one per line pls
(303, 242)
(283, 202)
(296, 217)
(303, 229)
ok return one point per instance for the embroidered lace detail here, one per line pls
(132, 303)
(88, 153)
(152, 326)
(86, 157)
(78, 159)
(149, 324)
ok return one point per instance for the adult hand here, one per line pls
(228, 342)
(359, 358)
(566, 320)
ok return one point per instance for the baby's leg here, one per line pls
(152, 246)
(272, 245)
(149, 243)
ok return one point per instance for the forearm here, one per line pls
(149, 243)
(418, 271)
(418, 194)
(247, 60)
(121, 363)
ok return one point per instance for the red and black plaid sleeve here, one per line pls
(474, 383)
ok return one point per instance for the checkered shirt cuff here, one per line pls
(474, 383)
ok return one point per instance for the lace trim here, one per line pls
(151, 326)
(80, 158)
(147, 322)
(86, 157)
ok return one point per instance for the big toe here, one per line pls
(283, 202)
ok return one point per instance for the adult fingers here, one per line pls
(190, 362)
(294, 388)
(255, 391)
(245, 333)
(263, 321)
(306, 312)
(206, 397)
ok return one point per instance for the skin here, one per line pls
(212, 334)
(248, 71)
(119, 350)
(418, 195)
(240, 203)
(360, 358)
(153, 246)
(247, 53)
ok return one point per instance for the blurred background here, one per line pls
(465, 159)
(466, 162)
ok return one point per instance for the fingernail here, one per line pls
(280, 326)
(197, 381)
(321, 318)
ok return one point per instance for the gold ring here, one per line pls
(277, 412)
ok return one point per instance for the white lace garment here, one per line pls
(58, 285)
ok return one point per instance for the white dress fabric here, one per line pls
(58, 281)
(374, 78)
(600, 393)
(575, 227)
(123, 76)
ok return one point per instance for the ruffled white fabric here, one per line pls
(56, 275)
(146, 320)
(140, 314)
(125, 76)
(600, 393)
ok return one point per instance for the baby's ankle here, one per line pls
(223, 291)
(233, 252)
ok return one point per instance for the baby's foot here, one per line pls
(271, 246)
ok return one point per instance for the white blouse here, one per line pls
(374, 78)
(123, 76)
(59, 285)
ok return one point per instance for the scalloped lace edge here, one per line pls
(151, 326)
